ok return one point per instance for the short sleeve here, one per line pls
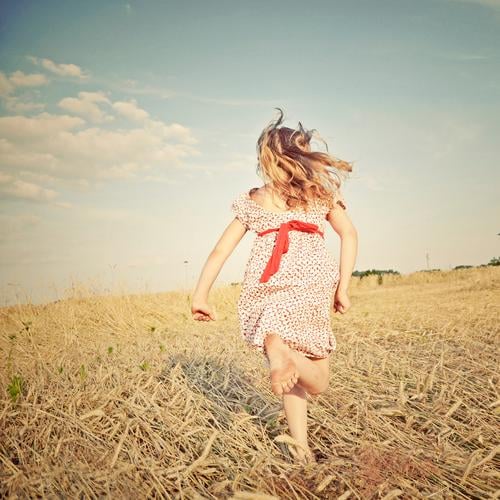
(338, 201)
(239, 208)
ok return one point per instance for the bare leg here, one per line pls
(285, 363)
(294, 376)
(284, 374)
(313, 373)
(295, 405)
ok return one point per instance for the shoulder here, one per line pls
(256, 193)
(248, 196)
(246, 200)
(243, 196)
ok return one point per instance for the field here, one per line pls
(127, 397)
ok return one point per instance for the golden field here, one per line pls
(128, 397)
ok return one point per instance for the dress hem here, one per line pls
(260, 348)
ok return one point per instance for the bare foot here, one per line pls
(284, 374)
(302, 456)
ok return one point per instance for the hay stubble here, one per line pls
(128, 397)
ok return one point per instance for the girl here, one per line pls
(291, 281)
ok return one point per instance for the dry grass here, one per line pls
(129, 397)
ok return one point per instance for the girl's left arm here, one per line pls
(224, 247)
(343, 226)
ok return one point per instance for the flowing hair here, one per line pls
(298, 174)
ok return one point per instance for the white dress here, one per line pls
(295, 302)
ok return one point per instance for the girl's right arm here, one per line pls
(230, 238)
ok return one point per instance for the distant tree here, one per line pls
(495, 261)
(463, 266)
(378, 272)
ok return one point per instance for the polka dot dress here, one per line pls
(295, 301)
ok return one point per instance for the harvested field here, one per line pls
(127, 396)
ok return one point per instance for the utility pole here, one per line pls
(186, 262)
(427, 259)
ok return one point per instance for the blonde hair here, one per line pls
(298, 174)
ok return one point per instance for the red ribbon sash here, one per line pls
(282, 241)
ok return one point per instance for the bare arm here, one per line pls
(342, 225)
(230, 238)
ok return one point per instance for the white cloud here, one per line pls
(87, 104)
(20, 79)
(56, 148)
(71, 70)
(12, 157)
(131, 111)
(16, 188)
(6, 86)
(54, 181)
(17, 105)
(173, 132)
(44, 153)
(27, 128)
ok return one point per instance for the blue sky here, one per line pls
(126, 129)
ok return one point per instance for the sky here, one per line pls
(127, 129)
